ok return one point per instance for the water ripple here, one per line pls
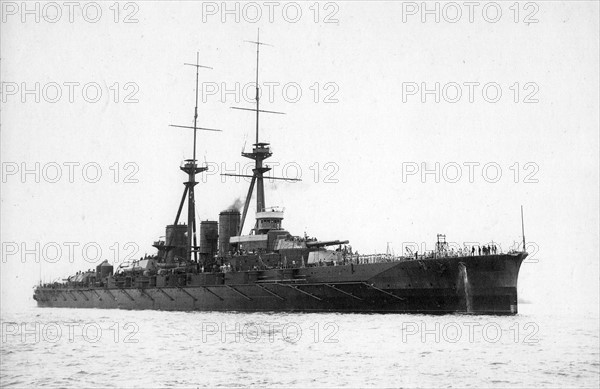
(139, 349)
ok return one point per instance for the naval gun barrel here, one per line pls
(326, 243)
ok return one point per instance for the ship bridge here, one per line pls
(268, 220)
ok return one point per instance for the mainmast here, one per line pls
(260, 151)
(191, 167)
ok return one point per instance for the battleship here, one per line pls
(217, 267)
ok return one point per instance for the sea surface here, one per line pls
(75, 348)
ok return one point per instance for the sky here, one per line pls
(400, 126)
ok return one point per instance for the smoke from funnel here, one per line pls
(237, 204)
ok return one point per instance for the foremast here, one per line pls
(260, 152)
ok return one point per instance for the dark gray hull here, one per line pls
(478, 285)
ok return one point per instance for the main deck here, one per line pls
(474, 284)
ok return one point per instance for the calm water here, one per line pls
(113, 348)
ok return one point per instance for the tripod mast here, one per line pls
(260, 151)
(190, 166)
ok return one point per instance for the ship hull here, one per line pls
(477, 285)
